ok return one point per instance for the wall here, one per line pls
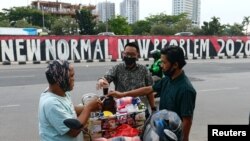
(89, 48)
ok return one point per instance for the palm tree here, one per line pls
(213, 27)
(246, 22)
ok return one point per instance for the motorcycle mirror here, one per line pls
(73, 123)
(171, 135)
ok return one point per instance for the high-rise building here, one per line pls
(191, 7)
(130, 10)
(105, 11)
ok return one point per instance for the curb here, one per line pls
(6, 62)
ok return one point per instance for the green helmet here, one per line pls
(156, 54)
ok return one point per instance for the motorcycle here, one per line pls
(162, 125)
(155, 67)
(73, 123)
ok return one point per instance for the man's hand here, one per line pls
(115, 94)
(102, 83)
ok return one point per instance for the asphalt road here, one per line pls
(222, 86)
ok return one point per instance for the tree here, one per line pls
(183, 25)
(160, 29)
(119, 25)
(233, 30)
(246, 22)
(165, 19)
(57, 27)
(206, 29)
(100, 27)
(141, 28)
(64, 26)
(213, 27)
(3, 17)
(4, 23)
(196, 30)
(173, 23)
(32, 16)
(86, 21)
(22, 24)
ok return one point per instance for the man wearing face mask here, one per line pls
(129, 75)
(176, 91)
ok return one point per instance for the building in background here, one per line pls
(59, 8)
(105, 11)
(56, 8)
(191, 7)
(130, 10)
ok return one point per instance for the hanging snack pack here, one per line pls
(129, 111)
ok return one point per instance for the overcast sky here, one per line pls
(229, 11)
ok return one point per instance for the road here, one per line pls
(222, 94)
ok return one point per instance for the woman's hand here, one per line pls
(94, 104)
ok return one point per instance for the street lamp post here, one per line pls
(43, 17)
(107, 26)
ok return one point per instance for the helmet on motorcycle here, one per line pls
(163, 126)
(156, 54)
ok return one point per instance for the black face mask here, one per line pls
(169, 73)
(129, 61)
